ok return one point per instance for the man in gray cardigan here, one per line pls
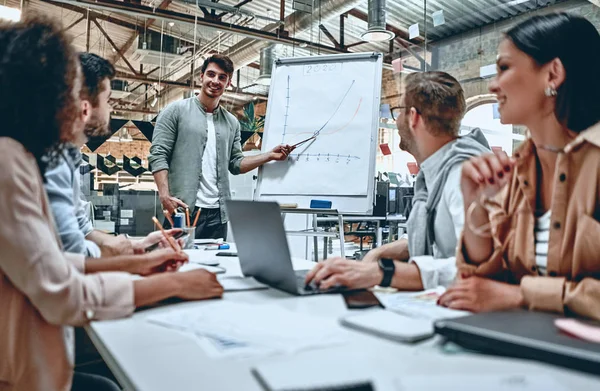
(428, 117)
(195, 143)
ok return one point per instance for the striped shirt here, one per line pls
(542, 233)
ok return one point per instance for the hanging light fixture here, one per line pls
(267, 56)
(376, 31)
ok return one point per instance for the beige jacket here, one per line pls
(42, 290)
(572, 283)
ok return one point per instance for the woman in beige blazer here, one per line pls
(43, 291)
(532, 229)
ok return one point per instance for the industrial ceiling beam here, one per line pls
(74, 23)
(330, 36)
(140, 10)
(342, 32)
(164, 4)
(238, 5)
(83, 9)
(115, 47)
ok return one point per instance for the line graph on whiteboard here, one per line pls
(341, 115)
(329, 111)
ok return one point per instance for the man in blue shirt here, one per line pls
(62, 181)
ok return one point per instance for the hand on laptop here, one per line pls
(337, 272)
(477, 294)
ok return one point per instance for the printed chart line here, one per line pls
(326, 156)
(318, 131)
(287, 108)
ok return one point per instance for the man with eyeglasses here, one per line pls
(428, 118)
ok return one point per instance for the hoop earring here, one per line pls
(550, 91)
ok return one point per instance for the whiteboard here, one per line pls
(335, 99)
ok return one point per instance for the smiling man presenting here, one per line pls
(195, 142)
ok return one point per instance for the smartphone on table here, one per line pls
(177, 236)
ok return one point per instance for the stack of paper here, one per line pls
(229, 329)
(419, 304)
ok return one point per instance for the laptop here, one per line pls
(263, 248)
(522, 334)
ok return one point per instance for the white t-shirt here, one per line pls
(542, 234)
(208, 194)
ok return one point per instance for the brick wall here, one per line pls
(464, 54)
(139, 147)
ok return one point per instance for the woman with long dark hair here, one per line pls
(532, 230)
(44, 291)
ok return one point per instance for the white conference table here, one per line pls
(145, 356)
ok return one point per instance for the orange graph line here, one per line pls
(335, 130)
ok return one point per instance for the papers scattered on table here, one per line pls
(231, 284)
(244, 330)
(419, 304)
(479, 382)
(191, 266)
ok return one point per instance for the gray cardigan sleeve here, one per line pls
(163, 139)
(237, 155)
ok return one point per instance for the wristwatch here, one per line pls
(387, 266)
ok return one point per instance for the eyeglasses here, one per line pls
(398, 109)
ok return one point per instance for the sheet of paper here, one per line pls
(243, 330)
(419, 304)
(191, 266)
(231, 284)
(479, 382)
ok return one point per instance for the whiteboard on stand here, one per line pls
(334, 100)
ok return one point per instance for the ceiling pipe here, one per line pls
(376, 31)
(267, 57)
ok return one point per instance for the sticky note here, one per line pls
(438, 18)
(413, 31)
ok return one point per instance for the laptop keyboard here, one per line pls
(311, 288)
(300, 282)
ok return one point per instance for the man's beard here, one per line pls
(405, 138)
(95, 127)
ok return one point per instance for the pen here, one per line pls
(304, 141)
(166, 213)
(172, 242)
(224, 246)
(196, 219)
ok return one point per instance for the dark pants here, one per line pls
(209, 224)
(88, 382)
